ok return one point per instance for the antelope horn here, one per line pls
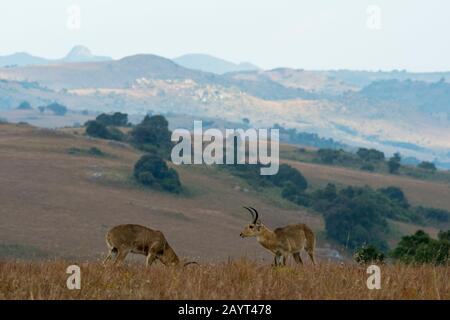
(251, 212)
(256, 214)
(190, 262)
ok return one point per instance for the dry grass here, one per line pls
(232, 280)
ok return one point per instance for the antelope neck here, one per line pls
(267, 238)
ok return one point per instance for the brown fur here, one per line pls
(283, 241)
(133, 238)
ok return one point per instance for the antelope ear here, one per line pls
(258, 223)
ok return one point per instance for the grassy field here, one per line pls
(229, 280)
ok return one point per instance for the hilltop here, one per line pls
(76, 54)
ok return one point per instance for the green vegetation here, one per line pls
(153, 135)
(420, 248)
(394, 163)
(151, 170)
(99, 130)
(93, 151)
(304, 138)
(56, 108)
(368, 254)
(433, 215)
(24, 105)
(370, 155)
(116, 119)
(427, 166)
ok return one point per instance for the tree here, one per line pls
(368, 254)
(117, 119)
(151, 170)
(394, 163)
(24, 105)
(99, 130)
(426, 165)
(153, 130)
(395, 194)
(370, 154)
(57, 109)
(420, 248)
(287, 173)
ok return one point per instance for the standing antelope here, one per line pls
(134, 238)
(281, 241)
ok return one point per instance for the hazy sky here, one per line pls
(313, 34)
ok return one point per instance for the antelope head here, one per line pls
(253, 229)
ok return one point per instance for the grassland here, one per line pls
(228, 280)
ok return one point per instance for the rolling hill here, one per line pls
(76, 54)
(61, 204)
(59, 199)
(208, 63)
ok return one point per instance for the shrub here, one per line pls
(394, 163)
(368, 254)
(295, 194)
(152, 130)
(370, 154)
(430, 166)
(395, 194)
(368, 167)
(99, 130)
(433, 214)
(57, 108)
(420, 248)
(117, 119)
(25, 105)
(151, 170)
(286, 173)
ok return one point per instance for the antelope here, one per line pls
(126, 238)
(282, 241)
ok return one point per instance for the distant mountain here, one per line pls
(21, 59)
(82, 54)
(207, 63)
(125, 72)
(105, 74)
(77, 54)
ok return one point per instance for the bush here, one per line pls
(153, 130)
(295, 194)
(57, 108)
(25, 105)
(368, 254)
(354, 218)
(430, 166)
(370, 154)
(394, 163)
(368, 167)
(395, 194)
(288, 174)
(420, 248)
(433, 214)
(151, 170)
(99, 130)
(117, 119)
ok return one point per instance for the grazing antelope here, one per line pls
(281, 241)
(134, 238)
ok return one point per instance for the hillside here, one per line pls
(76, 54)
(208, 63)
(61, 202)
(57, 190)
